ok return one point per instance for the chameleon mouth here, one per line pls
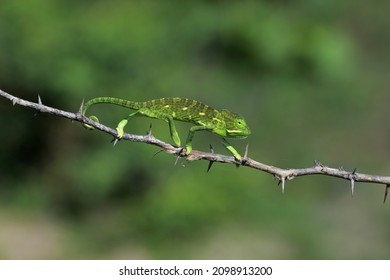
(238, 133)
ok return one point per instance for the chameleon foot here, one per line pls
(119, 128)
(188, 149)
(95, 119)
(228, 146)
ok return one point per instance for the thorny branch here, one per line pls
(281, 174)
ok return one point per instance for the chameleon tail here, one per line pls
(109, 100)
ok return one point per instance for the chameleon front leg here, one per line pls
(191, 136)
(231, 149)
(174, 135)
(172, 127)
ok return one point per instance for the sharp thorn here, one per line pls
(210, 162)
(354, 172)
(210, 165)
(281, 181)
(178, 156)
(352, 187)
(162, 150)
(244, 159)
(386, 192)
(39, 100)
(149, 133)
(177, 159)
(114, 141)
(14, 101)
(246, 151)
(81, 106)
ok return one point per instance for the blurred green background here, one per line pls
(310, 77)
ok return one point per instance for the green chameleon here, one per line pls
(224, 123)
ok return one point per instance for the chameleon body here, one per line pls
(223, 123)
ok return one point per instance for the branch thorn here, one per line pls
(40, 104)
(81, 107)
(114, 141)
(282, 181)
(352, 186)
(386, 191)
(149, 133)
(352, 177)
(210, 165)
(245, 158)
(178, 155)
(210, 162)
(158, 152)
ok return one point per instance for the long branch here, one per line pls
(281, 174)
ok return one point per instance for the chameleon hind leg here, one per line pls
(121, 125)
(172, 129)
(231, 149)
(174, 135)
(95, 119)
(191, 136)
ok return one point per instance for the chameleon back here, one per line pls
(183, 109)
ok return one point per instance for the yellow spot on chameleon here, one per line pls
(202, 113)
(184, 108)
(173, 114)
(167, 106)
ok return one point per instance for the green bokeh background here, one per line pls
(311, 78)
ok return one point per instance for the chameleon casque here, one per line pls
(223, 123)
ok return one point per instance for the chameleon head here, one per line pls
(235, 125)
